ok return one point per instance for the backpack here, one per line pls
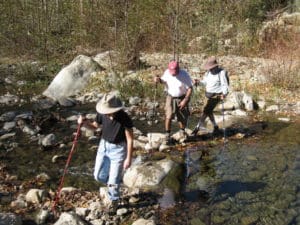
(226, 75)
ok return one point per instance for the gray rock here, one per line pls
(71, 79)
(36, 195)
(9, 125)
(143, 222)
(147, 174)
(70, 218)
(8, 116)
(10, 219)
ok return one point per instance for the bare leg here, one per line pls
(168, 124)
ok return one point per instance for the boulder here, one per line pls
(72, 79)
(147, 174)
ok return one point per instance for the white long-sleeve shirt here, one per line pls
(215, 83)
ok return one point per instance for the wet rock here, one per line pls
(46, 103)
(168, 199)
(8, 116)
(10, 218)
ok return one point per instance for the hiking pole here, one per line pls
(153, 115)
(66, 167)
(224, 128)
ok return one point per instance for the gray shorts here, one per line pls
(172, 109)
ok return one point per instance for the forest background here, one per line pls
(53, 32)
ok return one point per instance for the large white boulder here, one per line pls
(72, 78)
(147, 174)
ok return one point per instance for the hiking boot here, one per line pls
(195, 131)
(216, 130)
(170, 141)
(113, 206)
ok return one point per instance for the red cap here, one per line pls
(173, 67)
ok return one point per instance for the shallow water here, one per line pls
(251, 181)
(254, 180)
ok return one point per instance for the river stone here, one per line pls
(49, 140)
(143, 222)
(7, 136)
(42, 216)
(9, 125)
(72, 78)
(10, 219)
(36, 195)
(69, 218)
(8, 116)
(9, 99)
(156, 137)
(147, 174)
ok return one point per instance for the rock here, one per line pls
(156, 137)
(143, 222)
(36, 195)
(82, 212)
(68, 189)
(71, 79)
(122, 211)
(7, 136)
(272, 108)
(10, 219)
(9, 99)
(135, 100)
(70, 218)
(104, 196)
(42, 216)
(8, 116)
(147, 174)
(49, 140)
(248, 102)
(9, 125)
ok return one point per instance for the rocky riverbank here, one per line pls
(42, 123)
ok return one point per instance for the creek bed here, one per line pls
(252, 180)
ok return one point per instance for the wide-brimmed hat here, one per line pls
(210, 63)
(173, 67)
(108, 104)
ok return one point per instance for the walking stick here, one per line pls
(65, 170)
(224, 128)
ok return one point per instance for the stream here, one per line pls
(250, 180)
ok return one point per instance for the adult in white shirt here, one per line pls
(179, 88)
(216, 85)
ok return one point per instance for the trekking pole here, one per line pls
(224, 128)
(65, 170)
